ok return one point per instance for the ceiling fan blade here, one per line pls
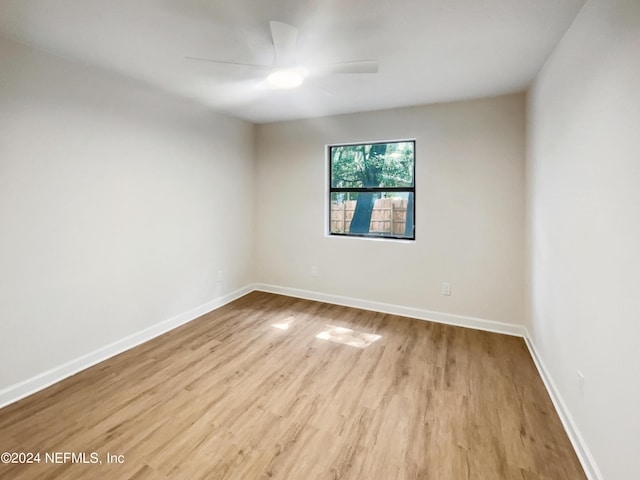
(210, 60)
(284, 38)
(361, 66)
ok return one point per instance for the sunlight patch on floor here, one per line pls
(285, 324)
(347, 336)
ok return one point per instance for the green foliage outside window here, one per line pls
(364, 174)
(378, 165)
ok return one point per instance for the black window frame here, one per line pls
(333, 189)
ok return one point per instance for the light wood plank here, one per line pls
(229, 396)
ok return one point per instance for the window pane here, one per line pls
(379, 214)
(379, 165)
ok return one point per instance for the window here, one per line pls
(372, 190)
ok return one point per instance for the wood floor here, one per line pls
(264, 389)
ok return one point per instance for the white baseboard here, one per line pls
(34, 384)
(582, 451)
(27, 387)
(579, 445)
(439, 317)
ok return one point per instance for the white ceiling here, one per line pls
(429, 50)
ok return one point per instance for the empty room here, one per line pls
(320, 239)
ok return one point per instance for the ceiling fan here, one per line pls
(284, 72)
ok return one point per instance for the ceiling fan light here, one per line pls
(287, 78)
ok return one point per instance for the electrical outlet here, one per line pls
(220, 275)
(446, 288)
(314, 271)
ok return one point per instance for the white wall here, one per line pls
(583, 174)
(118, 204)
(469, 210)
